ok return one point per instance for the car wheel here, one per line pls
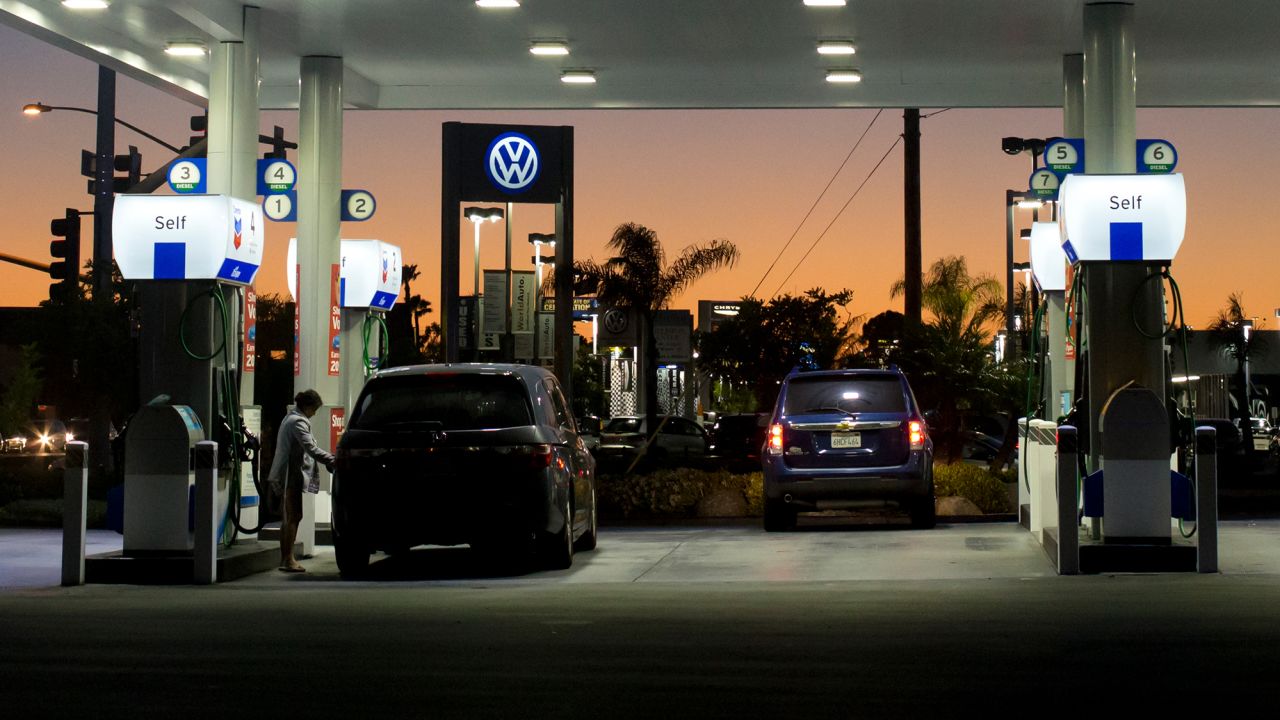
(924, 514)
(557, 549)
(352, 554)
(589, 538)
(778, 517)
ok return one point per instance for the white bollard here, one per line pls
(205, 552)
(75, 504)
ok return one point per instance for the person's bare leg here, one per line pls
(289, 529)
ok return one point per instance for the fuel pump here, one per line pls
(368, 287)
(1115, 229)
(189, 255)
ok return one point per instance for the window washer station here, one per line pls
(368, 287)
(190, 255)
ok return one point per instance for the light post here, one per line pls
(1013, 199)
(537, 239)
(478, 215)
(36, 108)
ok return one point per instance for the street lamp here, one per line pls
(478, 215)
(1014, 199)
(36, 108)
(536, 239)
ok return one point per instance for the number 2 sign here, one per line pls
(357, 205)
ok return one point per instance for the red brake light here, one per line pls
(916, 434)
(775, 439)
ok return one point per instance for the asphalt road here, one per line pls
(691, 631)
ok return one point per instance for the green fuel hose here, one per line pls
(384, 342)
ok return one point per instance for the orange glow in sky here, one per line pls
(745, 176)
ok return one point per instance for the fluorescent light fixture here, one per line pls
(1030, 203)
(825, 3)
(836, 47)
(498, 3)
(844, 76)
(578, 77)
(86, 4)
(549, 47)
(185, 48)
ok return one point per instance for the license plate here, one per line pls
(846, 440)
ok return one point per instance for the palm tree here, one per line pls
(1226, 333)
(638, 277)
(946, 358)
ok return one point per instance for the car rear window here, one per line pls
(623, 425)
(872, 393)
(446, 402)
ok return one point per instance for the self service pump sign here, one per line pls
(197, 237)
(1118, 218)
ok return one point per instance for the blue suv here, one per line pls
(841, 439)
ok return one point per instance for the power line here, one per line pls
(838, 214)
(778, 257)
(939, 112)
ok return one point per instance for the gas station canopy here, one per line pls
(451, 54)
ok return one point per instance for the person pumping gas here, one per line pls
(293, 470)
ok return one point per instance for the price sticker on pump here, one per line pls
(1044, 184)
(1156, 156)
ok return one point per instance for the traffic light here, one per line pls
(89, 168)
(131, 165)
(66, 245)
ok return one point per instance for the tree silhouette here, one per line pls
(638, 277)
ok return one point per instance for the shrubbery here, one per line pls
(675, 491)
(977, 484)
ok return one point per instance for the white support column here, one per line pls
(319, 251)
(233, 155)
(1062, 372)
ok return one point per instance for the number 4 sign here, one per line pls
(275, 176)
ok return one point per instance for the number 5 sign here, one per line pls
(357, 205)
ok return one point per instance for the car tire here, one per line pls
(778, 517)
(556, 552)
(353, 557)
(352, 553)
(924, 515)
(590, 537)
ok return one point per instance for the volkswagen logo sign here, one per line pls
(511, 162)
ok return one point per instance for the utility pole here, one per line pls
(913, 270)
(103, 185)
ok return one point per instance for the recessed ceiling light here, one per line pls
(825, 3)
(86, 4)
(498, 3)
(185, 48)
(844, 76)
(549, 47)
(836, 47)
(578, 77)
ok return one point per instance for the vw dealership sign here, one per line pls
(512, 162)
(506, 163)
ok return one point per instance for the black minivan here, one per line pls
(481, 454)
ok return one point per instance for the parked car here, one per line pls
(677, 437)
(738, 439)
(482, 454)
(13, 444)
(843, 438)
(1261, 434)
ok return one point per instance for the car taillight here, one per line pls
(775, 439)
(537, 457)
(916, 434)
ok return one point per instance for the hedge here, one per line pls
(675, 491)
(979, 485)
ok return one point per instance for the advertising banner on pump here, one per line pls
(335, 318)
(250, 329)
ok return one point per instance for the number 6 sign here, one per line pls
(357, 205)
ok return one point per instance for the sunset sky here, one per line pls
(745, 176)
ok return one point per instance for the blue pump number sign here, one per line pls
(1065, 156)
(1044, 184)
(1156, 156)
